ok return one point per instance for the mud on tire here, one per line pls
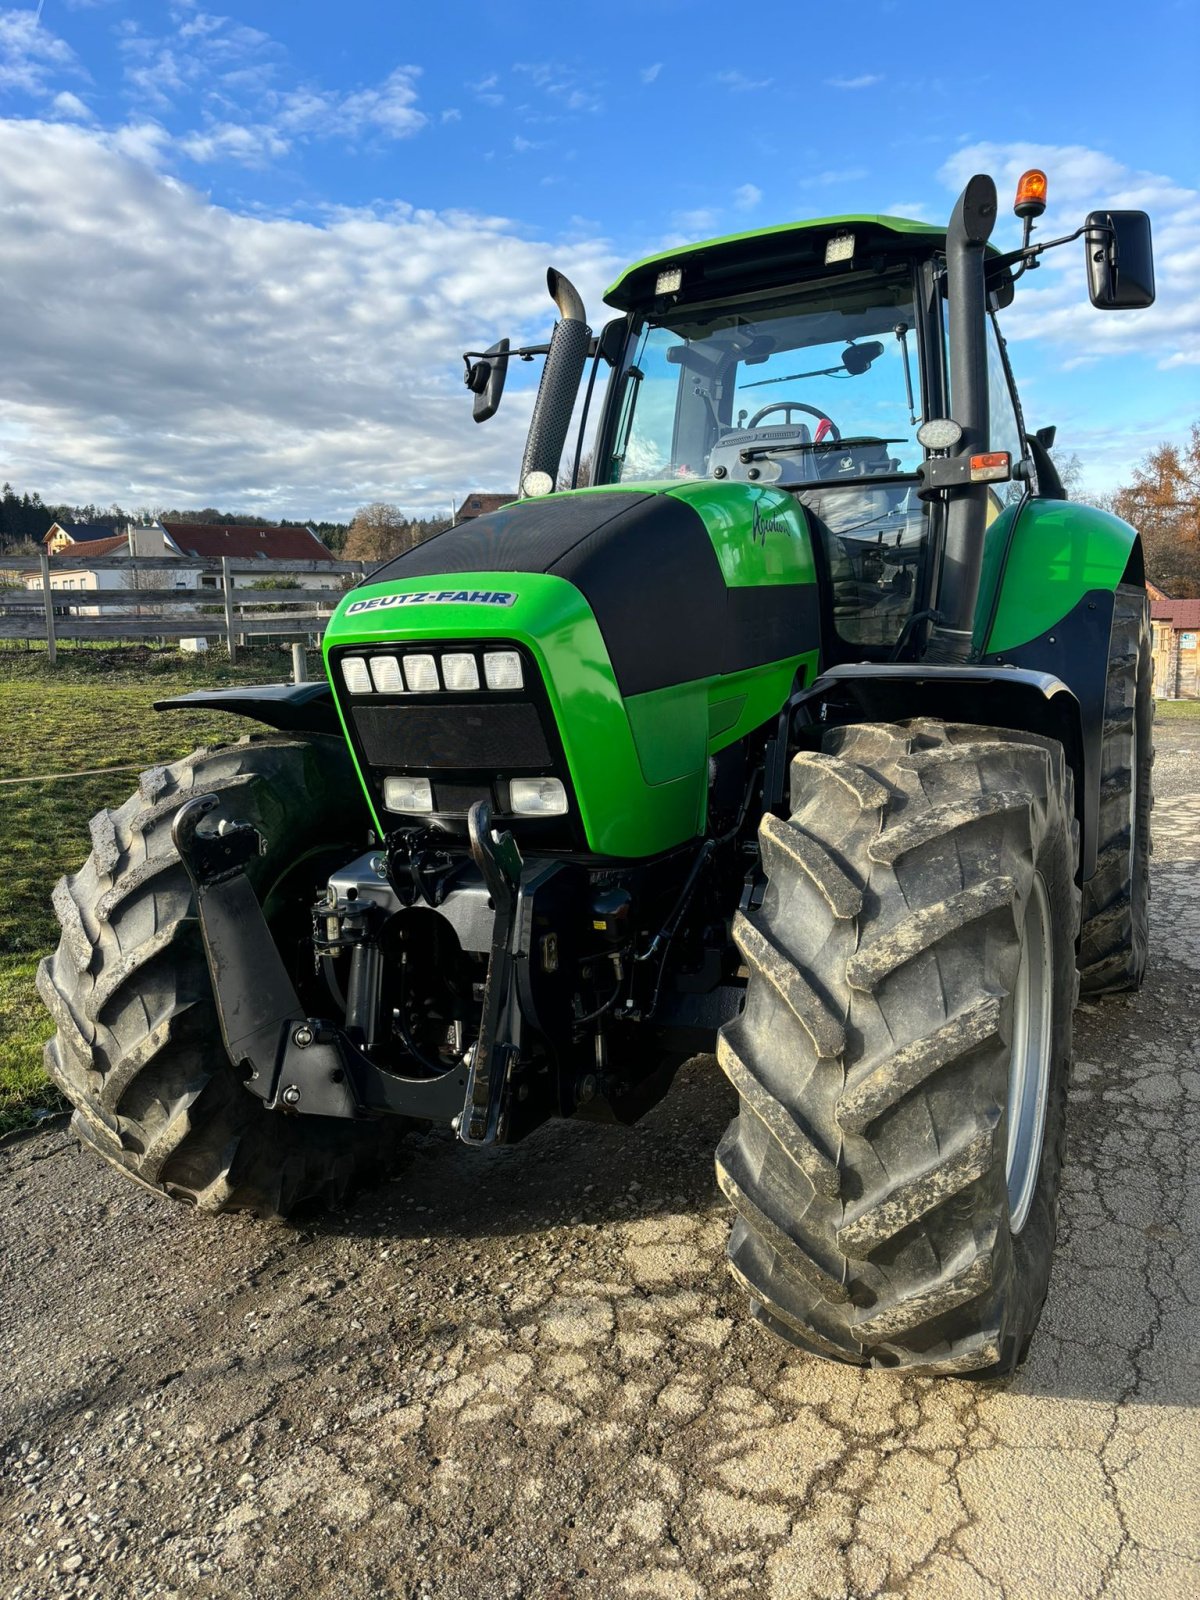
(138, 1050)
(867, 1164)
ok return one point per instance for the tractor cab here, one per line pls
(815, 385)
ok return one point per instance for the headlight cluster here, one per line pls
(453, 670)
(527, 797)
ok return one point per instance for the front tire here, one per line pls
(138, 1050)
(896, 1189)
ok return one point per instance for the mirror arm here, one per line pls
(525, 352)
(1027, 254)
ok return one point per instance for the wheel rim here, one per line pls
(1029, 1070)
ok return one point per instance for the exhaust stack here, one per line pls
(560, 382)
(970, 228)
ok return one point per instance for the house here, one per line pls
(65, 533)
(478, 504)
(176, 542)
(1155, 592)
(1175, 628)
(242, 542)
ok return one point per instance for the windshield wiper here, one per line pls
(752, 450)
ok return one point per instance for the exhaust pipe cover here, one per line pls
(561, 375)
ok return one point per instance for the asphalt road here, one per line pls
(524, 1373)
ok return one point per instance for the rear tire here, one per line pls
(1116, 898)
(138, 1050)
(877, 1220)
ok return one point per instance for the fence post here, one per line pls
(48, 598)
(299, 666)
(227, 586)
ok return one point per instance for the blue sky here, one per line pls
(243, 247)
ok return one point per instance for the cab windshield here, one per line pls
(799, 373)
(814, 390)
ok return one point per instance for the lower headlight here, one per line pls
(407, 794)
(537, 797)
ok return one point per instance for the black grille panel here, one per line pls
(438, 735)
(456, 799)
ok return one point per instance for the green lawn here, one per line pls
(93, 709)
(1177, 708)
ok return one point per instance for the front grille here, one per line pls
(469, 742)
(449, 733)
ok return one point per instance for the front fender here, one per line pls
(289, 707)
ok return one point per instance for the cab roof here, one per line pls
(770, 255)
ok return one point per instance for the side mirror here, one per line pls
(857, 358)
(485, 379)
(612, 340)
(1120, 260)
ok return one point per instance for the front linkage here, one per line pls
(537, 1049)
(312, 1066)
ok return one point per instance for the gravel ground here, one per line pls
(523, 1373)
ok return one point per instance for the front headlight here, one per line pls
(408, 794)
(537, 797)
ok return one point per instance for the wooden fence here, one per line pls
(51, 612)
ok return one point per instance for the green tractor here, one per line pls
(815, 731)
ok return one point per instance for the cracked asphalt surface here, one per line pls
(524, 1373)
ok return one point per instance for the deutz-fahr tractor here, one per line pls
(814, 731)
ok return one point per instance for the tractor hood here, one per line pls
(654, 625)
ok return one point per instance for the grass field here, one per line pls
(93, 709)
(1177, 708)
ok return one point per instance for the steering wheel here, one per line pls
(788, 406)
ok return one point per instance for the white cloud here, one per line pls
(834, 176)
(915, 210)
(692, 224)
(147, 142)
(1052, 304)
(865, 80)
(486, 90)
(30, 54)
(746, 196)
(389, 108)
(649, 74)
(70, 105)
(451, 114)
(741, 84)
(253, 146)
(209, 357)
(564, 86)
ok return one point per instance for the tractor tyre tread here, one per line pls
(867, 1163)
(138, 1049)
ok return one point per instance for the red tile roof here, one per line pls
(211, 540)
(72, 554)
(1178, 613)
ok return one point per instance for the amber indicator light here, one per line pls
(1031, 193)
(992, 464)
